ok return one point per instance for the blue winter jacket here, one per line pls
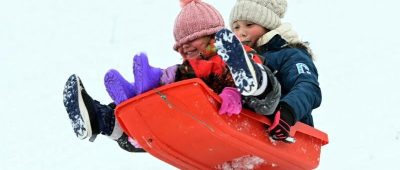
(298, 77)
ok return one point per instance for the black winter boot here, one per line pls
(88, 117)
(124, 143)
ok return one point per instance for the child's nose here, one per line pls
(242, 34)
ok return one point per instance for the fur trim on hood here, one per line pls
(286, 31)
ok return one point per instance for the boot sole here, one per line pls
(235, 57)
(76, 109)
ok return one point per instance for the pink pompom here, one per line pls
(185, 2)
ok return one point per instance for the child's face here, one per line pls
(194, 48)
(248, 32)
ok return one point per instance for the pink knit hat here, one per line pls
(196, 19)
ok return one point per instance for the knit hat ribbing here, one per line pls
(267, 13)
(196, 19)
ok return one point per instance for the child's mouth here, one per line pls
(246, 43)
(192, 54)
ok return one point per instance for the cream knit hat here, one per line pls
(267, 13)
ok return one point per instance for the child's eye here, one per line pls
(248, 24)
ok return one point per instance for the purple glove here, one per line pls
(231, 101)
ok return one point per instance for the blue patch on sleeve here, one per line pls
(302, 68)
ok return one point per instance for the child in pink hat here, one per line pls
(194, 31)
(194, 40)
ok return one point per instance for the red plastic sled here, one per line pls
(179, 124)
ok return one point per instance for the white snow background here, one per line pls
(43, 42)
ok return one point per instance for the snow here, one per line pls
(43, 42)
(247, 162)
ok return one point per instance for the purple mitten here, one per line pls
(146, 76)
(168, 75)
(231, 101)
(117, 87)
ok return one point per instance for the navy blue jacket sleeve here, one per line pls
(299, 80)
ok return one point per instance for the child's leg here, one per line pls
(249, 78)
(267, 101)
(127, 144)
(118, 87)
(89, 117)
(146, 76)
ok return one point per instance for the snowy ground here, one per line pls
(42, 42)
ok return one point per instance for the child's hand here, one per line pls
(280, 128)
(231, 101)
